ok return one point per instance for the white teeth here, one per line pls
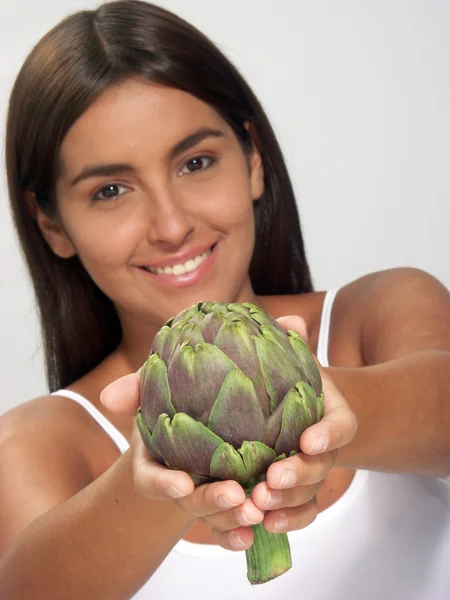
(182, 268)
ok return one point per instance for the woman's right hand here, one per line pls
(222, 505)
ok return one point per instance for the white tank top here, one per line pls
(386, 538)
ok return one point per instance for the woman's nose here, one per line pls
(169, 222)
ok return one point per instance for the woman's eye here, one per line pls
(199, 163)
(110, 192)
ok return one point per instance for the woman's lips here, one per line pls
(185, 279)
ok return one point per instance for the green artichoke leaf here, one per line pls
(191, 334)
(307, 359)
(280, 369)
(277, 330)
(240, 309)
(197, 319)
(244, 465)
(185, 443)
(172, 341)
(239, 312)
(261, 317)
(320, 406)
(147, 438)
(236, 415)
(257, 458)
(186, 315)
(235, 339)
(195, 377)
(299, 413)
(160, 340)
(155, 391)
(227, 463)
(213, 307)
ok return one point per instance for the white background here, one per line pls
(359, 94)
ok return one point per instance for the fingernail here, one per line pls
(224, 502)
(273, 498)
(288, 479)
(236, 541)
(101, 395)
(319, 445)
(174, 492)
(280, 524)
(242, 519)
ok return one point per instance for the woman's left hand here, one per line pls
(289, 493)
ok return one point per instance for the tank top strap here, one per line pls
(118, 438)
(324, 332)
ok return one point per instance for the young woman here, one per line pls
(143, 177)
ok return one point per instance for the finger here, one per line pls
(300, 469)
(338, 425)
(296, 323)
(246, 514)
(265, 498)
(240, 538)
(211, 498)
(291, 519)
(122, 395)
(156, 481)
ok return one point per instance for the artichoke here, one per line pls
(226, 392)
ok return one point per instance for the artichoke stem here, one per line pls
(268, 557)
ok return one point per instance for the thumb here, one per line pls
(338, 425)
(296, 323)
(122, 395)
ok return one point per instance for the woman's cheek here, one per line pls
(108, 240)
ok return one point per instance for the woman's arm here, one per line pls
(78, 539)
(402, 398)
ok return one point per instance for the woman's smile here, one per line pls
(183, 273)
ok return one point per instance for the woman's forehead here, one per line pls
(135, 113)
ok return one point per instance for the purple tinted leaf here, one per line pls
(185, 443)
(172, 341)
(197, 319)
(160, 339)
(147, 439)
(191, 335)
(155, 392)
(186, 315)
(195, 378)
(236, 341)
(211, 325)
(236, 415)
(280, 370)
(297, 417)
(307, 361)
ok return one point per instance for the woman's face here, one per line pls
(155, 196)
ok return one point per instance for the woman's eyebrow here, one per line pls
(101, 171)
(193, 139)
(114, 169)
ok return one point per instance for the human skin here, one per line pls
(390, 347)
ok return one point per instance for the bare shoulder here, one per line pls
(42, 461)
(52, 432)
(389, 313)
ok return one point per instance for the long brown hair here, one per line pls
(63, 75)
